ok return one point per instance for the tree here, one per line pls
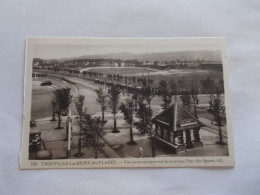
(63, 100)
(144, 115)
(166, 95)
(174, 90)
(209, 85)
(102, 100)
(218, 107)
(186, 100)
(147, 94)
(92, 133)
(79, 103)
(113, 96)
(135, 98)
(54, 104)
(134, 80)
(128, 109)
(194, 95)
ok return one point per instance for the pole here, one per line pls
(69, 134)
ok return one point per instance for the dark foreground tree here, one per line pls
(79, 103)
(218, 108)
(128, 109)
(63, 100)
(144, 115)
(102, 100)
(92, 133)
(113, 96)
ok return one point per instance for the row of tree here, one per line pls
(92, 126)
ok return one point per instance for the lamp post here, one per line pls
(141, 152)
(69, 133)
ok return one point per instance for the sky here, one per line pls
(61, 50)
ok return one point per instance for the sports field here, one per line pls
(184, 79)
(121, 71)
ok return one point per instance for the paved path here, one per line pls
(212, 128)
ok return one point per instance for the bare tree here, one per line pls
(113, 96)
(102, 100)
(92, 133)
(79, 103)
(128, 110)
(63, 100)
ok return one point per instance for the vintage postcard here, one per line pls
(124, 103)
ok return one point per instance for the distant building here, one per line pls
(192, 64)
(212, 65)
(122, 64)
(177, 129)
(105, 63)
(147, 63)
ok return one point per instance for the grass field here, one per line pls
(121, 71)
(184, 79)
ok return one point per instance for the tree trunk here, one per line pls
(153, 150)
(53, 113)
(195, 110)
(96, 154)
(103, 115)
(115, 130)
(132, 142)
(59, 121)
(220, 134)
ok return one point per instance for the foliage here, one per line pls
(63, 100)
(144, 115)
(79, 102)
(128, 109)
(186, 100)
(147, 94)
(165, 93)
(92, 133)
(113, 96)
(102, 100)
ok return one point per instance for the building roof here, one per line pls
(185, 120)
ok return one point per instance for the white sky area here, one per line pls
(49, 51)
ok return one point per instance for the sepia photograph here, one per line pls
(94, 103)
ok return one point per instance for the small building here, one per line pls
(177, 129)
